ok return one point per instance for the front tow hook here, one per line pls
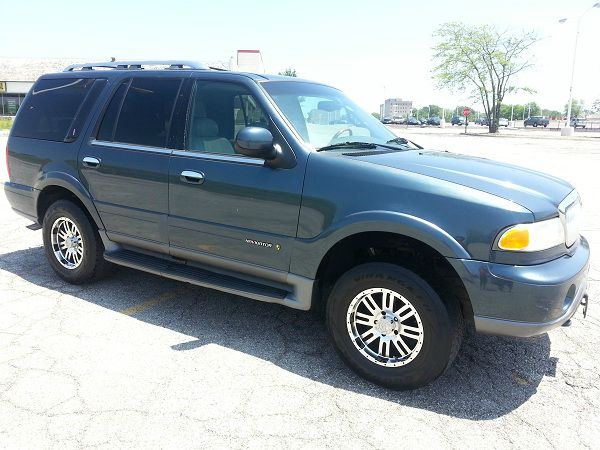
(584, 302)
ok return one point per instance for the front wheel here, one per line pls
(72, 244)
(391, 327)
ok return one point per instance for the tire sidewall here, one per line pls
(435, 352)
(65, 208)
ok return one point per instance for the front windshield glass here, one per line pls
(324, 116)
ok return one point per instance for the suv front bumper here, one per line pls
(525, 300)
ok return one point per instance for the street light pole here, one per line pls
(568, 130)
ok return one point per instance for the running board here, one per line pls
(198, 276)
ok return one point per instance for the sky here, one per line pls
(370, 49)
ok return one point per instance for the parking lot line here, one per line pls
(151, 302)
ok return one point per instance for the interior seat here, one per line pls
(205, 137)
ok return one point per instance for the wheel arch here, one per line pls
(424, 259)
(58, 185)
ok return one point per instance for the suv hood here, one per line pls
(538, 192)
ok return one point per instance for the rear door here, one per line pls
(125, 163)
(238, 209)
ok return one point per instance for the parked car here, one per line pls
(458, 120)
(214, 178)
(412, 121)
(436, 121)
(536, 121)
(483, 121)
(578, 122)
(502, 122)
(386, 120)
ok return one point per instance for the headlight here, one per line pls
(533, 237)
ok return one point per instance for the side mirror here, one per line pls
(255, 142)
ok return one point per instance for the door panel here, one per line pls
(125, 167)
(129, 188)
(242, 211)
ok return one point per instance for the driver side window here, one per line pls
(217, 112)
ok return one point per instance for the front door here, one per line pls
(224, 206)
(125, 163)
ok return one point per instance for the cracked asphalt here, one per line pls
(139, 361)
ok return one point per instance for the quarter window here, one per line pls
(50, 109)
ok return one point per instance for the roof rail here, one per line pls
(128, 65)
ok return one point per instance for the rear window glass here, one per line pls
(145, 117)
(51, 107)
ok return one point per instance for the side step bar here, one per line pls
(197, 276)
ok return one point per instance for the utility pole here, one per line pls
(568, 129)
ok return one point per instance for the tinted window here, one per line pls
(51, 107)
(217, 112)
(145, 116)
(107, 127)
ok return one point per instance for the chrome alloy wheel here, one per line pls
(67, 243)
(385, 327)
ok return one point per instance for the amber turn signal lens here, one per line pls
(514, 239)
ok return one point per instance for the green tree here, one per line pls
(577, 108)
(289, 72)
(482, 61)
(596, 105)
(376, 115)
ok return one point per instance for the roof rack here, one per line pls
(129, 65)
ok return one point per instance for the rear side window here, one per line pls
(107, 126)
(50, 110)
(144, 118)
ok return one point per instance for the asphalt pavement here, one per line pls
(139, 361)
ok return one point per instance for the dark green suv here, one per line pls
(285, 191)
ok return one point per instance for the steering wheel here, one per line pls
(339, 133)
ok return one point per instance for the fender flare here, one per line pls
(315, 249)
(73, 185)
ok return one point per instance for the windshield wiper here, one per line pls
(404, 142)
(348, 144)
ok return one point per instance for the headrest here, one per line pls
(205, 127)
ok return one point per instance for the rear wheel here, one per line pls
(391, 327)
(72, 245)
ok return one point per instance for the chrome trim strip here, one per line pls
(142, 148)
(220, 157)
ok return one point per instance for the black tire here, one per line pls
(92, 265)
(442, 325)
(535, 125)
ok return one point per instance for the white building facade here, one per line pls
(395, 107)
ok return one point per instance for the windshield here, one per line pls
(324, 116)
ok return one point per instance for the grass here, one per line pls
(5, 123)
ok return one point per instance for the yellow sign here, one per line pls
(2, 86)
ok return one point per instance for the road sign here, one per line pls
(467, 112)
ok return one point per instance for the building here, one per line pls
(395, 107)
(17, 75)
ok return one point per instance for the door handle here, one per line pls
(189, 176)
(91, 161)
